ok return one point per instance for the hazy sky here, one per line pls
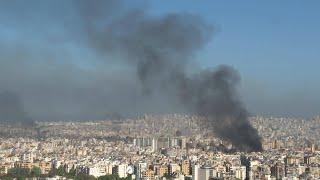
(275, 45)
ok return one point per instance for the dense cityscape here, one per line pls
(170, 146)
(159, 90)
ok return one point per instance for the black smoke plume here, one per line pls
(161, 48)
(154, 55)
(213, 94)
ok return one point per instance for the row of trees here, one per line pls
(73, 174)
(24, 173)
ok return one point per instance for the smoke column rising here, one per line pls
(158, 50)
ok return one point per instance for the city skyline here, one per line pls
(159, 90)
(158, 147)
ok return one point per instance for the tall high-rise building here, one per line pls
(141, 167)
(278, 170)
(142, 142)
(154, 144)
(186, 167)
(174, 168)
(163, 170)
(195, 172)
(205, 173)
(240, 172)
(122, 170)
(202, 173)
(174, 142)
(148, 174)
(183, 143)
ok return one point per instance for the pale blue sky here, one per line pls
(275, 45)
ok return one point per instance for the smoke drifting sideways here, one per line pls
(154, 54)
(160, 49)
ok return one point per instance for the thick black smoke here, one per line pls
(160, 48)
(154, 54)
(213, 94)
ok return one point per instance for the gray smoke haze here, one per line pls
(12, 110)
(130, 62)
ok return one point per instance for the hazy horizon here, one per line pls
(47, 62)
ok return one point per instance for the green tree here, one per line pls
(109, 177)
(82, 176)
(113, 177)
(61, 171)
(35, 172)
(72, 173)
(18, 172)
